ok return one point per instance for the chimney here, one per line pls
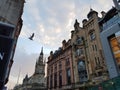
(103, 13)
(63, 44)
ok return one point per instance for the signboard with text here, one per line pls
(5, 51)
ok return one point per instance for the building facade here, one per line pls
(97, 69)
(10, 15)
(60, 68)
(88, 59)
(110, 37)
(88, 65)
(80, 67)
(37, 81)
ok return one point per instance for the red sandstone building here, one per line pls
(80, 62)
(60, 68)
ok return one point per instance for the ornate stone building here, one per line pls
(88, 59)
(60, 68)
(37, 81)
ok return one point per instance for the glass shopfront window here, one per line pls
(115, 46)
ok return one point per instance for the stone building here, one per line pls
(85, 56)
(97, 65)
(60, 68)
(88, 59)
(79, 53)
(37, 81)
(10, 14)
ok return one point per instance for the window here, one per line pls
(51, 81)
(48, 72)
(68, 76)
(67, 62)
(55, 80)
(81, 65)
(92, 35)
(55, 67)
(60, 65)
(51, 69)
(79, 51)
(96, 61)
(99, 73)
(79, 40)
(115, 46)
(95, 47)
(82, 71)
(60, 78)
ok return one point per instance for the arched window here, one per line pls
(92, 34)
(82, 71)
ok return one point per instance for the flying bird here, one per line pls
(31, 37)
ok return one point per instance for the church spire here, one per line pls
(39, 67)
(41, 53)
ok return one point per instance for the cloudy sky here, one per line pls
(52, 22)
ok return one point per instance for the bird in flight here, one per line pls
(31, 37)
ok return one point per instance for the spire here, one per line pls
(26, 77)
(76, 25)
(91, 12)
(91, 9)
(41, 56)
(41, 51)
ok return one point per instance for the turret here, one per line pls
(91, 13)
(76, 25)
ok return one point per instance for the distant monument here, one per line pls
(37, 81)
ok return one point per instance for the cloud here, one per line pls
(52, 22)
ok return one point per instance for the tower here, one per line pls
(40, 65)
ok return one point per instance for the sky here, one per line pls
(52, 21)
